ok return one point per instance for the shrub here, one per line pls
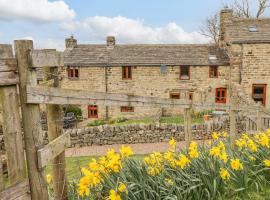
(117, 120)
(96, 123)
(74, 109)
(200, 114)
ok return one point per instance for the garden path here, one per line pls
(140, 149)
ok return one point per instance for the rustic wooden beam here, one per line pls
(33, 136)
(46, 95)
(6, 51)
(12, 133)
(19, 191)
(53, 149)
(55, 126)
(8, 64)
(11, 117)
(47, 58)
(259, 120)
(187, 126)
(2, 181)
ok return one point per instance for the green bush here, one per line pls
(96, 123)
(119, 119)
(200, 114)
(74, 109)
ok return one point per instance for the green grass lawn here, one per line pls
(74, 164)
(166, 120)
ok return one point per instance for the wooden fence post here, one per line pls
(11, 119)
(55, 127)
(233, 126)
(259, 120)
(187, 126)
(31, 120)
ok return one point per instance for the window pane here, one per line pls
(184, 72)
(77, 73)
(129, 72)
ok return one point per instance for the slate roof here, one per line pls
(238, 31)
(144, 55)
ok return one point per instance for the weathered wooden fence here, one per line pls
(29, 145)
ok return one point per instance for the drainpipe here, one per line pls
(106, 88)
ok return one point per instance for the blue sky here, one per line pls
(49, 22)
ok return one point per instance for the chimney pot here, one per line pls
(71, 42)
(111, 41)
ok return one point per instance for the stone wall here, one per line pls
(139, 133)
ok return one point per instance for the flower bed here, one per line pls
(218, 171)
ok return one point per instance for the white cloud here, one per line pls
(35, 10)
(133, 31)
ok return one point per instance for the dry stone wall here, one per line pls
(139, 133)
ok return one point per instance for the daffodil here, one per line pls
(224, 174)
(122, 188)
(264, 140)
(49, 178)
(251, 158)
(168, 181)
(215, 136)
(215, 151)
(183, 161)
(172, 144)
(114, 195)
(236, 164)
(126, 151)
(83, 190)
(267, 163)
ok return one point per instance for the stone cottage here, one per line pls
(196, 72)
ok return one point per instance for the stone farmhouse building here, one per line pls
(196, 72)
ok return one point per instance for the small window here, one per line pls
(213, 72)
(163, 69)
(259, 93)
(190, 96)
(92, 111)
(252, 29)
(126, 73)
(221, 95)
(184, 72)
(73, 72)
(175, 95)
(127, 109)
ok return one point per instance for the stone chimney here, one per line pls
(110, 42)
(226, 16)
(71, 42)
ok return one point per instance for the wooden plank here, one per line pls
(8, 64)
(47, 58)
(7, 82)
(19, 191)
(33, 136)
(187, 126)
(2, 181)
(53, 149)
(46, 95)
(6, 51)
(259, 120)
(55, 126)
(12, 133)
